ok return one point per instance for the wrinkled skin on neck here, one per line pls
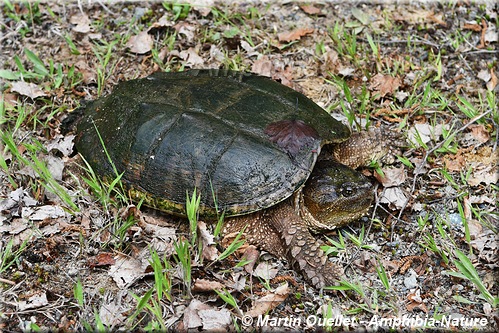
(333, 196)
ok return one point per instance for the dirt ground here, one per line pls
(77, 255)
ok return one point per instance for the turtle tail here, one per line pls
(68, 124)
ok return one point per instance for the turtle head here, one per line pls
(334, 195)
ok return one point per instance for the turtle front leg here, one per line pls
(303, 250)
(281, 232)
(366, 146)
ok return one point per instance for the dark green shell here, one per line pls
(210, 130)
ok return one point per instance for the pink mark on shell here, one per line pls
(291, 135)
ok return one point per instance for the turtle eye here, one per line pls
(347, 190)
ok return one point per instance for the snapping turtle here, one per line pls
(268, 156)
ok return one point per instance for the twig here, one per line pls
(402, 41)
(12, 283)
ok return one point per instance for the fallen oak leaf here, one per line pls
(209, 250)
(493, 81)
(81, 22)
(263, 66)
(437, 19)
(416, 302)
(311, 10)
(384, 84)
(391, 176)
(191, 57)
(265, 271)
(27, 89)
(199, 314)
(102, 259)
(251, 254)
(36, 300)
(294, 35)
(203, 285)
(215, 320)
(269, 301)
(141, 43)
(479, 133)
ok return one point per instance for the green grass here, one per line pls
(9, 256)
(183, 255)
(32, 161)
(468, 272)
(156, 297)
(230, 300)
(106, 63)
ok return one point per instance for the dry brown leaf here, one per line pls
(475, 229)
(55, 165)
(215, 320)
(187, 30)
(262, 66)
(27, 89)
(366, 262)
(285, 77)
(203, 285)
(89, 75)
(454, 162)
(209, 250)
(394, 196)
(416, 302)
(491, 35)
(384, 84)
(487, 175)
(202, 6)
(486, 246)
(141, 43)
(392, 176)
(102, 259)
(251, 254)
(199, 314)
(491, 85)
(191, 58)
(125, 270)
(163, 22)
(472, 26)
(482, 36)
(191, 316)
(82, 23)
(112, 312)
(417, 16)
(62, 143)
(479, 133)
(296, 34)
(265, 271)
(35, 301)
(426, 132)
(438, 19)
(391, 266)
(43, 212)
(269, 301)
(311, 9)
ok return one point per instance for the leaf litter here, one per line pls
(291, 44)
